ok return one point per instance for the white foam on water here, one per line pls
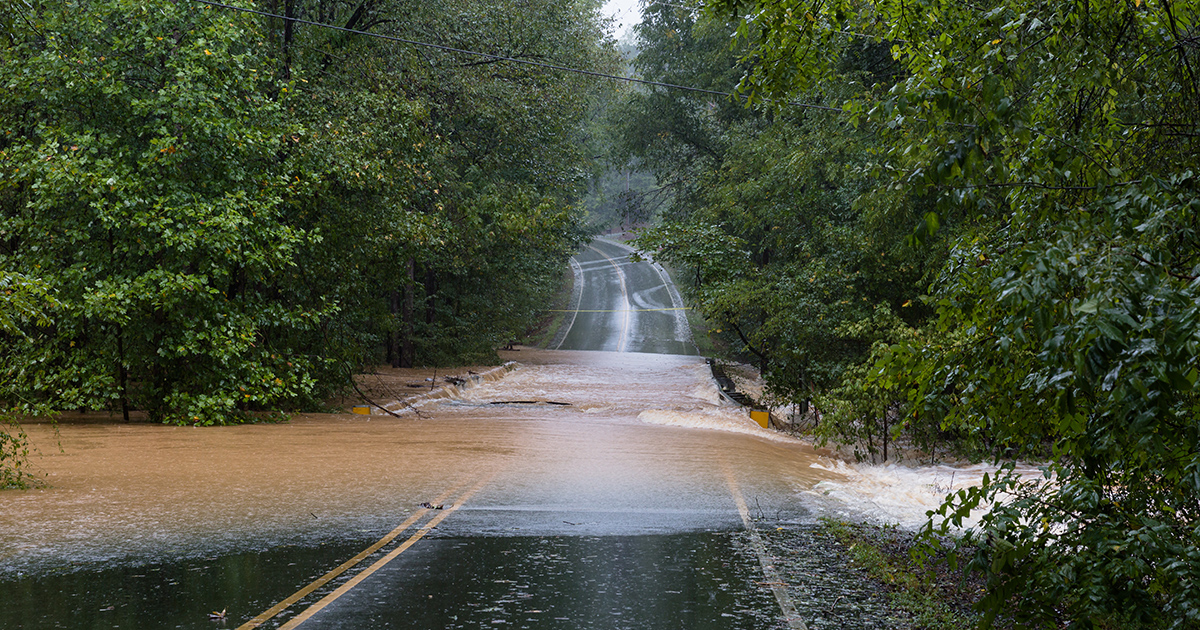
(679, 392)
(715, 419)
(451, 391)
(706, 392)
(899, 494)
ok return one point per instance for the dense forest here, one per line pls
(948, 225)
(206, 211)
(969, 226)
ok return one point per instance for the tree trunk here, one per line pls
(430, 291)
(289, 11)
(885, 436)
(407, 348)
(122, 374)
(393, 338)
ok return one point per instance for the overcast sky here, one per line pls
(625, 12)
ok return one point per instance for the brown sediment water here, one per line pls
(637, 434)
(135, 490)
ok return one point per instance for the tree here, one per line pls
(234, 213)
(787, 244)
(142, 187)
(473, 167)
(24, 300)
(678, 135)
(1060, 141)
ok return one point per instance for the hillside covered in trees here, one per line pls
(206, 211)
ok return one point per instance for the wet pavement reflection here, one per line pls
(698, 580)
(702, 580)
(164, 595)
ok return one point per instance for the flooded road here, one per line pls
(584, 489)
(629, 485)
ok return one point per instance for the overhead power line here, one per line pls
(527, 62)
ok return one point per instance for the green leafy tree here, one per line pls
(678, 135)
(473, 180)
(1060, 139)
(24, 301)
(788, 244)
(142, 187)
(235, 213)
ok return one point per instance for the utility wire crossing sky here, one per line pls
(525, 62)
(624, 13)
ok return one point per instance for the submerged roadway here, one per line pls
(600, 484)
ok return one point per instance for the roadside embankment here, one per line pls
(394, 391)
(850, 576)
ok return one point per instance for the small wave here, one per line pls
(708, 393)
(718, 419)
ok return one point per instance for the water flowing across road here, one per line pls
(598, 488)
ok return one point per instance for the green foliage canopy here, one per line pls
(790, 245)
(206, 213)
(142, 186)
(1061, 142)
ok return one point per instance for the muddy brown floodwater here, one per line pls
(568, 443)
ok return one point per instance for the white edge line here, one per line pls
(788, 607)
(576, 298)
(624, 342)
(682, 325)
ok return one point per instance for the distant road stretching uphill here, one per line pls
(624, 306)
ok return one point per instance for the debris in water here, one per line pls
(530, 402)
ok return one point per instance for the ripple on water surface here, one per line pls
(697, 581)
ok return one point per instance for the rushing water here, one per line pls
(579, 459)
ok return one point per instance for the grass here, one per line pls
(937, 597)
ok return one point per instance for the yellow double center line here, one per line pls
(365, 573)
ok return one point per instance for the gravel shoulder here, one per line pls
(859, 576)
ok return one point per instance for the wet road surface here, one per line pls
(584, 490)
(624, 306)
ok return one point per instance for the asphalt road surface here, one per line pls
(624, 306)
(602, 487)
